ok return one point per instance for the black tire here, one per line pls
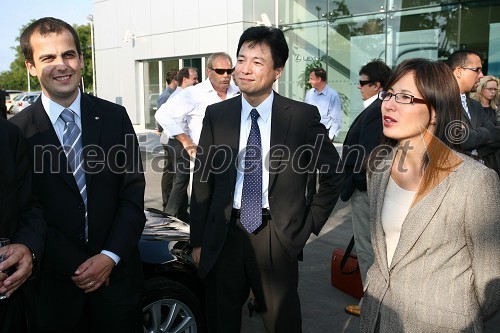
(169, 306)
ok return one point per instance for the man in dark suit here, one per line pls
(21, 220)
(481, 138)
(88, 175)
(363, 136)
(250, 220)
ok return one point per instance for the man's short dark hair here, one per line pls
(171, 75)
(184, 73)
(459, 58)
(376, 71)
(45, 26)
(319, 72)
(272, 37)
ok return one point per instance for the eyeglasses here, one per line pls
(474, 69)
(365, 82)
(221, 71)
(492, 89)
(401, 98)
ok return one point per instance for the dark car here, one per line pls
(173, 301)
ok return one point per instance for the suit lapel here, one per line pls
(280, 121)
(380, 180)
(418, 218)
(50, 142)
(232, 121)
(91, 127)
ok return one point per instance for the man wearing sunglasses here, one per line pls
(363, 136)
(481, 137)
(182, 116)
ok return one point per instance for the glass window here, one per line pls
(151, 92)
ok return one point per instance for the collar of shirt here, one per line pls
(369, 101)
(263, 108)
(323, 92)
(54, 110)
(232, 89)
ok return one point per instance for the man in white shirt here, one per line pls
(328, 103)
(182, 119)
(326, 100)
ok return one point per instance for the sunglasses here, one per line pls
(365, 82)
(474, 69)
(221, 71)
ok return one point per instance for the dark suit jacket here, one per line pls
(21, 217)
(294, 126)
(363, 136)
(115, 190)
(482, 133)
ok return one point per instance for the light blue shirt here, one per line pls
(264, 122)
(54, 110)
(330, 109)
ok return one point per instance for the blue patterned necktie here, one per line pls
(251, 196)
(463, 98)
(72, 142)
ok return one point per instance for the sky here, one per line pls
(20, 13)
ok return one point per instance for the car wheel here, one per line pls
(169, 306)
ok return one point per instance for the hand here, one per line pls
(196, 255)
(20, 257)
(187, 143)
(191, 149)
(93, 273)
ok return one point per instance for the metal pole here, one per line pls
(29, 83)
(91, 19)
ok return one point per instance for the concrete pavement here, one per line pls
(322, 304)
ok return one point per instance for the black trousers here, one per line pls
(167, 177)
(258, 262)
(14, 314)
(178, 201)
(60, 306)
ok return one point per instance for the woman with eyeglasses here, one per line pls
(434, 212)
(486, 94)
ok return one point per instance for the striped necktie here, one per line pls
(72, 142)
(251, 194)
(463, 98)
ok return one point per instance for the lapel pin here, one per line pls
(96, 118)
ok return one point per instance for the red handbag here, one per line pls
(345, 271)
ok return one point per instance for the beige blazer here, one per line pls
(445, 273)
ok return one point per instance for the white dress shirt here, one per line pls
(330, 109)
(264, 122)
(369, 101)
(397, 203)
(184, 112)
(54, 110)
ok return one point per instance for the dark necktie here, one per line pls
(72, 142)
(251, 196)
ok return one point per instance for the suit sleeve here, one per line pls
(201, 194)
(485, 137)
(330, 178)
(482, 229)
(31, 227)
(129, 218)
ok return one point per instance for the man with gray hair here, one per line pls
(183, 121)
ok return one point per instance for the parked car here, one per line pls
(173, 301)
(23, 101)
(9, 98)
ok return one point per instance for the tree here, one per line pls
(16, 77)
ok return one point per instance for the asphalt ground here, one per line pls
(322, 304)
